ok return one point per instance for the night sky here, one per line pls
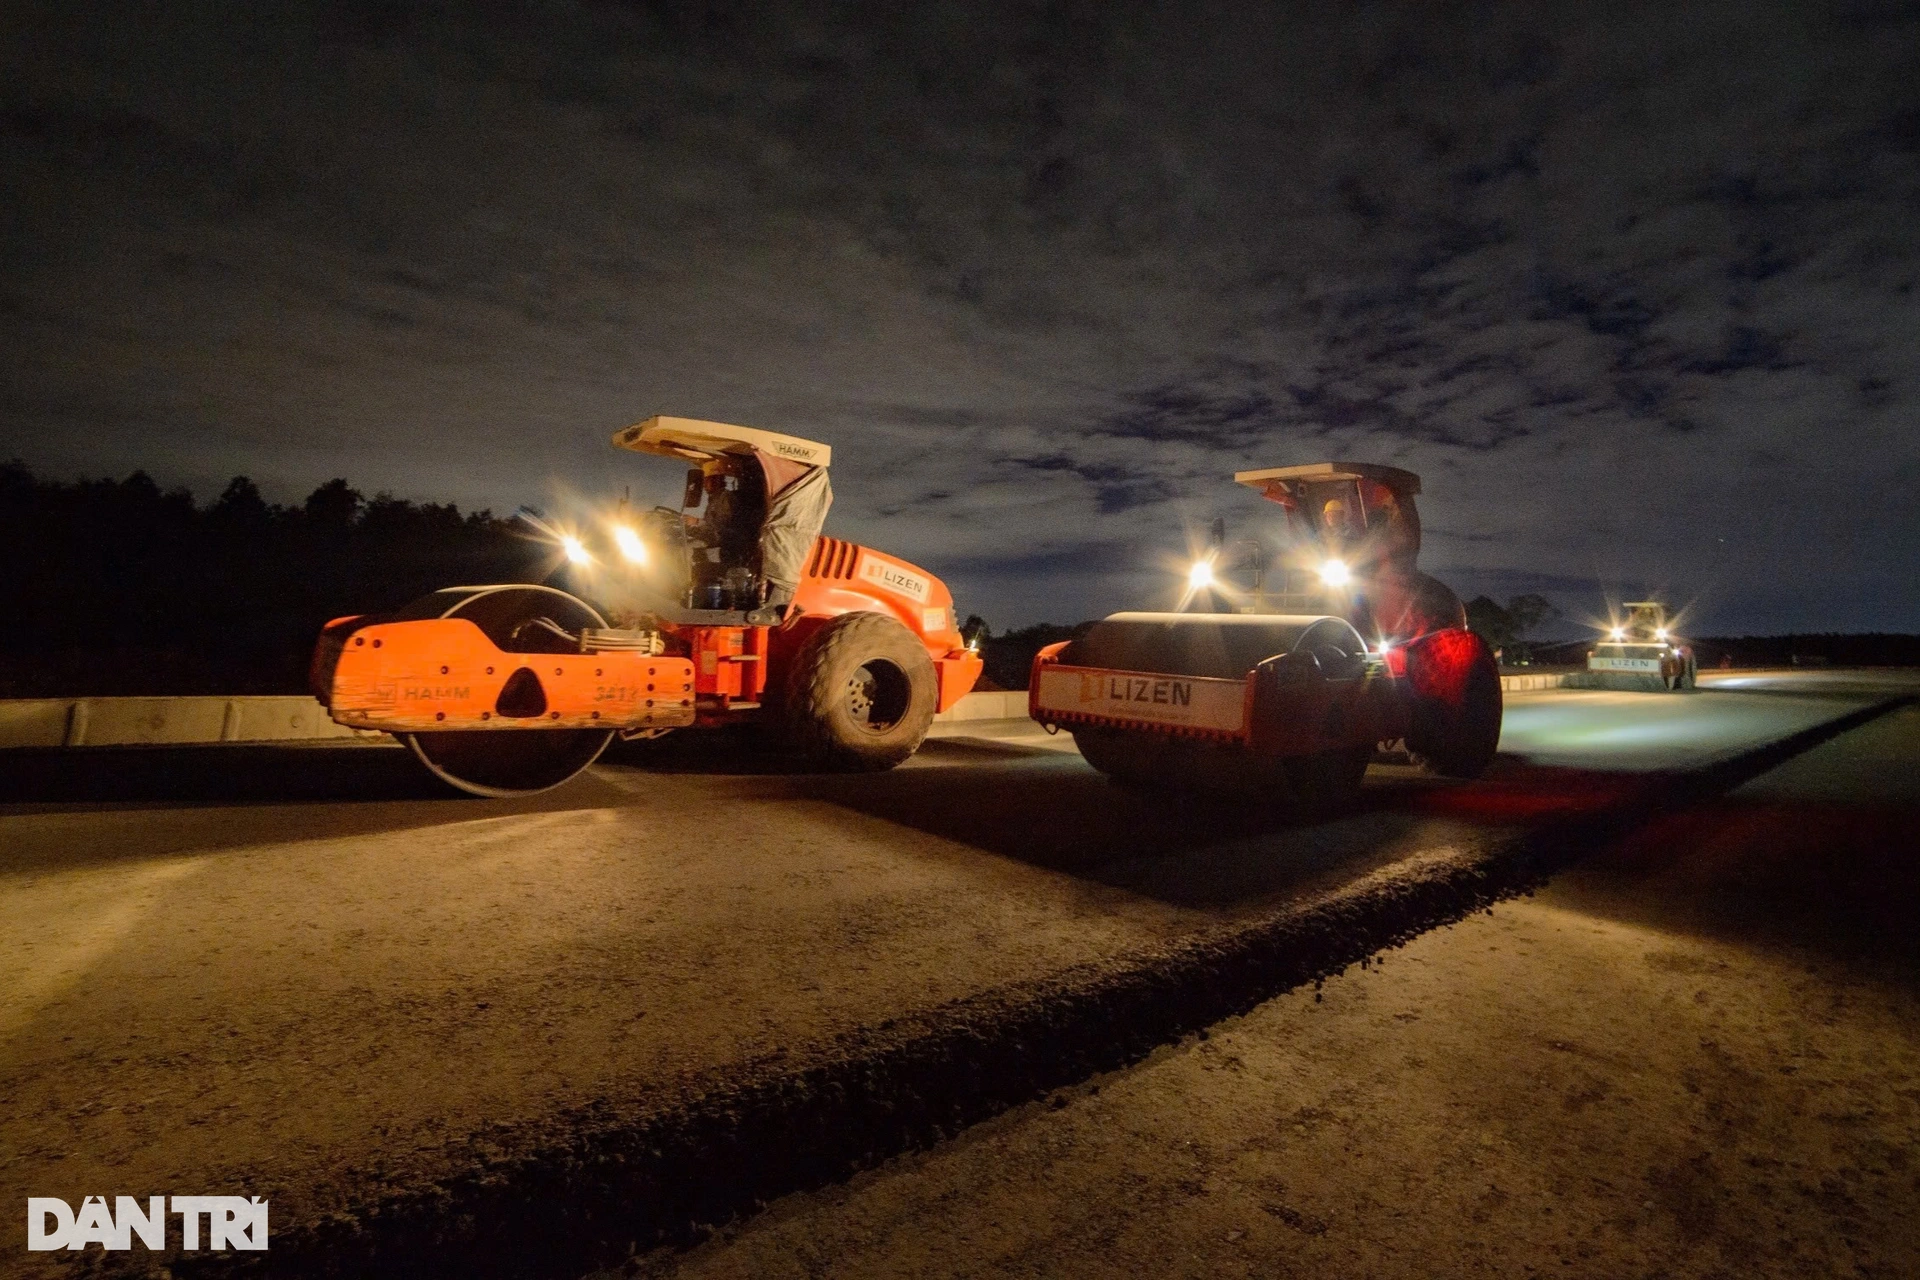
(1631, 285)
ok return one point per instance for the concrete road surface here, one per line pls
(303, 973)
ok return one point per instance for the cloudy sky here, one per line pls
(1631, 285)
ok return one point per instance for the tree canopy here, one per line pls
(120, 586)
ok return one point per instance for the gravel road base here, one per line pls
(1697, 1054)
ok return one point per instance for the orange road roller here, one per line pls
(732, 608)
(1286, 669)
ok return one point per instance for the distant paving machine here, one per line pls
(1641, 653)
(741, 612)
(1334, 650)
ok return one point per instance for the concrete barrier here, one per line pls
(115, 722)
(1534, 683)
(1008, 704)
(118, 722)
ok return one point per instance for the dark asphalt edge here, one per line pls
(749, 1133)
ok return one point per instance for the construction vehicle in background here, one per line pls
(1323, 654)
(1641, 653)
(733, 608)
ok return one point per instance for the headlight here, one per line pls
(629, 543)
(1617, 633)
(575, 549)
(1200, 575)
(1335, 573)
(1660, 634)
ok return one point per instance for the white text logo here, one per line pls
(894, 578)
(232, 1222)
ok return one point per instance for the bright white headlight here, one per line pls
(1335, 573)
(629, 543)
(575, 549)
(1200, 574)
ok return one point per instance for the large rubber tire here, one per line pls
(508, 762)
(860, 694)
(1454, 683)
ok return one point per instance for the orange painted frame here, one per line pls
(445, 674)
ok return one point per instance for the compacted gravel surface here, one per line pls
(1697, 1054)
(410, 1020)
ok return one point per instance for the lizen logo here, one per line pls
(892, 577)
(1182, 702)
(1102, 688)
(233, 1222)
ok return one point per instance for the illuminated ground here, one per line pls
(1696, 1056)
(222, 970)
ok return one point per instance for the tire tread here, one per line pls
(816, 685)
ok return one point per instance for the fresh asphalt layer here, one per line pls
(487, 1035)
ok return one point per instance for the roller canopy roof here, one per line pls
(1393, 477)
(702, 441)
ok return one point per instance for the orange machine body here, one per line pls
(444, 673)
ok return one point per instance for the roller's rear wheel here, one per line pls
(1457, 703)
(509, 762)
(861, 694)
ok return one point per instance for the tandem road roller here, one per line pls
(1327, 652)
(1641, 652)
(733, 608)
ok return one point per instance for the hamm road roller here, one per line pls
(731, 608)
(1315, 658)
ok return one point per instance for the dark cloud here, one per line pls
(1195, 414)
(1115, 487)
(1620, 281)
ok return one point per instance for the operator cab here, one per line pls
(1357, 511)
(1357, 516)
(1646, 623)
(751, 509)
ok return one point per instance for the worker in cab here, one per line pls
(762, 514)
(1336, 524)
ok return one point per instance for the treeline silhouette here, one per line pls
(121, 587)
